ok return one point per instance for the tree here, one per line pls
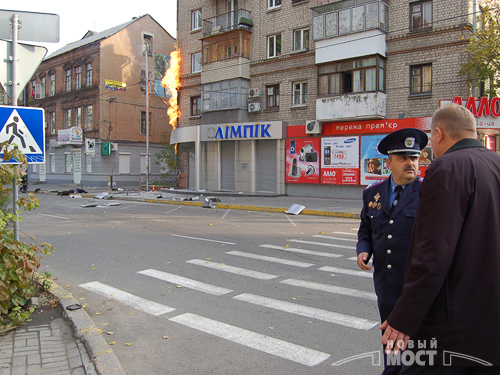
(166, 158)
(18, 260)
(483, 64)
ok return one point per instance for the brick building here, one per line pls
(292, 96)
(93, 92)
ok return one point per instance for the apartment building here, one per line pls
(94, 92)
(292, 96)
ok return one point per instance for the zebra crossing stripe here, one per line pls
(185, 282)
(346, 233)
(303, 251)
(331, 289)
(346, 271)
(296, 353)
(335, 238)
(231, 269)
(128, 299)
(271, 259)
(324, 244)
(310, 312)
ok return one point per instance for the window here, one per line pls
(88, 118)
(421, 79)
(196, 19)
(273, 96)
(52, 91)
(88, 77)
(274, 3)
(358, 75)
(33, 89)
(42, 88)
(148, 44)
(78, 117)
(299, 93)
(233, 44)
(67, 118)
(300, 39)
(420, 15)
(195, 105)
(78, 78)
(143, 123)
(196, 62)
(52, 122)
(274, 45)
(68, 80)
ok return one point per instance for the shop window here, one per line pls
(299, 93)
(420, 15)
(366, 74)
(274, 45)
(196, 106)
(272, 97)
(421, 79)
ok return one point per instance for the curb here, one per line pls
(344, 215)
(84, 328)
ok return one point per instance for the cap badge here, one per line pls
(410, 142)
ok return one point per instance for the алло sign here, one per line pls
(242, 131)
(486, 112)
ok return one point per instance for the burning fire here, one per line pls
(171, 82)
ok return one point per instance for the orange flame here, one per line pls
(172, 82)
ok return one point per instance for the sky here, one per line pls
(75, 19)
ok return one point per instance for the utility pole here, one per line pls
(147, 115)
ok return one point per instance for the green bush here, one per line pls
(18, 260)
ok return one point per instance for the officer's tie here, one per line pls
(398, 189)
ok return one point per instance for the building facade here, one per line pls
(93, 92)
(336, 75)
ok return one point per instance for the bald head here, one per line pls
(457, 121)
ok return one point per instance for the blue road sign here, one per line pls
(24, 128)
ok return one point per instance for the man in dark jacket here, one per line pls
(389, 210)
(451, 298)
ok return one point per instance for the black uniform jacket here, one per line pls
(385, 236)
(452, 285)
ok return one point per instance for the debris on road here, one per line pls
(295, 209)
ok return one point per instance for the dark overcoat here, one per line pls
(452, 285)
(385, 236)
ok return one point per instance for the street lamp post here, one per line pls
(147, 116)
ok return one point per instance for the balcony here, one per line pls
(351, 107)
(237, 19)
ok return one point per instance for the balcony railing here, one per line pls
(237, 19)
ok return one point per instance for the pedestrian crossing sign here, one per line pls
(23, 127)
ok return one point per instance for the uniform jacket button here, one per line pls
(389, 266)
(389, 236)
(389, 251)
(391, 222)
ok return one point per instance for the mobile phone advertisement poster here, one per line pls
(340, 160)
(302, 160)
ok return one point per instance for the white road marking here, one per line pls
(331, 289)
(310, 312)
(347, 271)
(231, 269)
(203, 239)
(257, 341)
(289, 219)
(346, 233)
(173, 210)
(335, 238)
(303, 251)
(128, 299)
(225, 214)
(185, 282)
(271, 259)
(58, 217)
(353, 258)
(323, 244)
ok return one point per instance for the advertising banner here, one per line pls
(302, 160)
(340, 160)
(376, 126)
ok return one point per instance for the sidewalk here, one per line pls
(71, 343)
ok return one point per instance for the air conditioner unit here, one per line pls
(114, 146)
(254, 93)
(253, 107)
(313, 127)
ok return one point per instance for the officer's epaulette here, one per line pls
(374, 184)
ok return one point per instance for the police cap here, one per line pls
(408, 141)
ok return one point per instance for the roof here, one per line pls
(91, 37)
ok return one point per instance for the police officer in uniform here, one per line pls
(389, 209)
